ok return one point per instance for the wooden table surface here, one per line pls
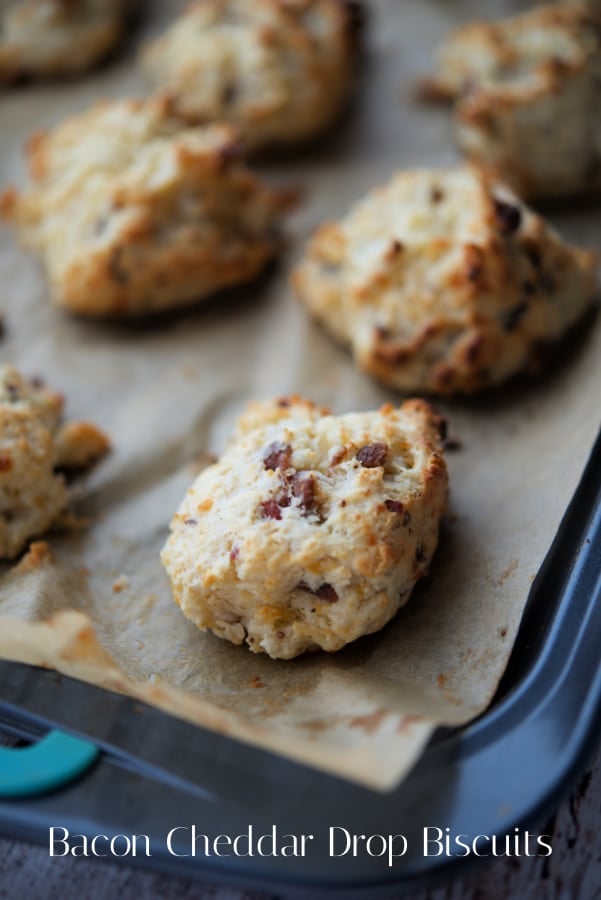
(572, 872)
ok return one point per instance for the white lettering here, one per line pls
(170, 837)
(333, 831)
(437, 841)
(221, 839)
(53, 840)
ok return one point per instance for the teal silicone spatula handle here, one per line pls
(52, 762)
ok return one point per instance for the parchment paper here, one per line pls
(168, 392)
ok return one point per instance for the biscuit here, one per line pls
(133, 214)
(281, 71)
(444, 282)
(528, 92)
(312, 529)
(34, 446)
(48, 38)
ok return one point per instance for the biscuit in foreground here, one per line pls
(528, 94)
(35, 447)
(281, 72)
(312, 529)
(133, 214)
(444, 282)
(50, 38)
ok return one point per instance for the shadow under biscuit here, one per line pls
(229, 302)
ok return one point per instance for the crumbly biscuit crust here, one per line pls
(279, 70)
(524, 85)
(34, 446)
(443, 282)
(312, 529)
(47, 38)
(133, 214)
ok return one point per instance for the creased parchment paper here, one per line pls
(167, 393)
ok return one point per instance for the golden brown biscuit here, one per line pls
(132, 214)
(442, 281)
(34, 446)
(528, 92)
(312, 529)
(46, 38)
(279, 70)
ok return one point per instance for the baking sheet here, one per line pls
(167, 392)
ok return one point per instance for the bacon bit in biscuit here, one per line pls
(324, 591)
(277, 456)
(270, 509)
(234, 552)
(394, 506)
(190, 521)
(304, 488)
(301, 485)
(373, 455)
(509, 217)
(6, 462)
